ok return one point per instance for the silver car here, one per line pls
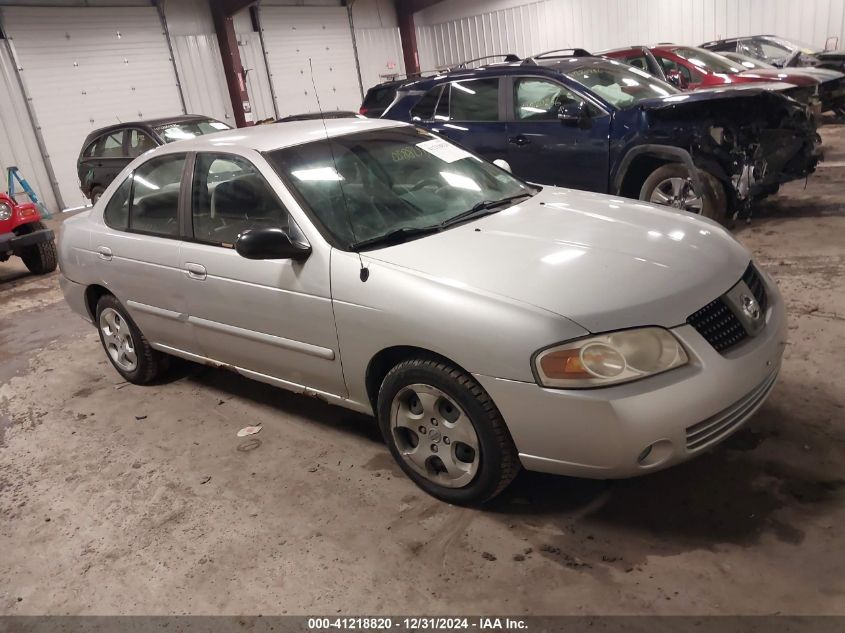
(489, 324)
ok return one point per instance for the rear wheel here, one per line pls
(129, 352)
(39, 258)
(445, 432)
(671, 185)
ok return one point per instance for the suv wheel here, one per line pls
(127, 349)
(670, 185)
(445, 432)
(39, 258)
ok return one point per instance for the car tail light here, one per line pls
(362, 110)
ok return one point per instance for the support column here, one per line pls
(221, 13)
(405, 10)
(408, 36)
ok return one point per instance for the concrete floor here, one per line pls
(123, 499)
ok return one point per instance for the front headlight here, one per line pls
(609, 359)
(5, 211)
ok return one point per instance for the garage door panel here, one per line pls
(86, 68)
(292, 36)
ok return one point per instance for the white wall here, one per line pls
(18, 145)
(455, 30)
(197, 56)
(377, 37)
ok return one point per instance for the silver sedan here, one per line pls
(488, 324)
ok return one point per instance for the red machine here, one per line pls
(23, 234)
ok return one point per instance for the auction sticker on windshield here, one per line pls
(446, 152)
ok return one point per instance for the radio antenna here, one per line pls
(365, 272)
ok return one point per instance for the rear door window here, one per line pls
(474, 100)
(116, 214)
(138, 143)
(110, 145)
(155, 196)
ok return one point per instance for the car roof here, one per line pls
(265, 138)
(565, 64)
(182, 118)
(736, 39)
(543, 65)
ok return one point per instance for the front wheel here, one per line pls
(40, 258)
(671, 185)
(445, 432)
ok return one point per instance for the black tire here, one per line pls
(96, 192)
(40, 258)
(714, 200)
(498, 458)
(150, 363)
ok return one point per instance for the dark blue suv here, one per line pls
(585, 122)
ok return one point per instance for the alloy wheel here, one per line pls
(434, 435)
(117, 339)
(678, 193)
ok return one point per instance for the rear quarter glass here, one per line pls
(379, 97)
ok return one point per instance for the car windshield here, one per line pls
(189, 129)
(790, 45)
(707, 61)
(393, 183)
(621, 85)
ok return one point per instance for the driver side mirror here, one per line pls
(270, 243)
(677, 79)
(575, 112)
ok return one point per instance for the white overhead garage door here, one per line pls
(292, 35)
(86, 68)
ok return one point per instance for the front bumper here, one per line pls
(606, 433)
(17, 243)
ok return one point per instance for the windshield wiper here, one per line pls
(397, 236)
(482, 208)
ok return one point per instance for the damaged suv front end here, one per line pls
(750, 138)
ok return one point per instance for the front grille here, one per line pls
(718, 426)
(755, 284)
(717, 323)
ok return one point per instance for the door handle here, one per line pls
(195, 271)
(519, 140)
(104, 252)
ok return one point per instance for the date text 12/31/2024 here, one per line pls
(416, 624)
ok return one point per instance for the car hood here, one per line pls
(831, 55)
(603, 262)
(794, 77)
(732, 91)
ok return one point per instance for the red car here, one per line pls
(692, 68)
(22, 233)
